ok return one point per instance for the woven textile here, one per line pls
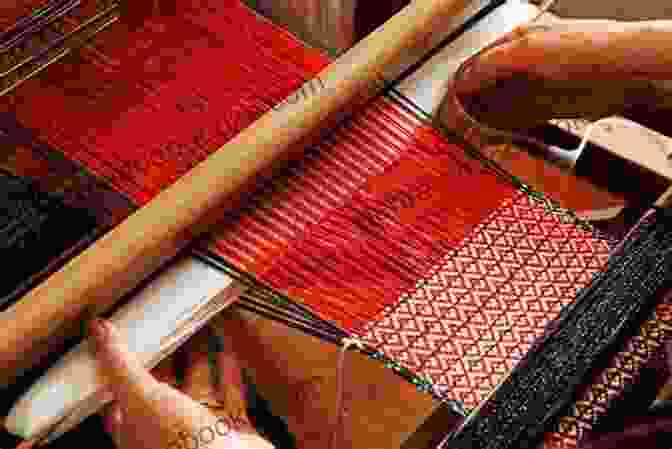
(26, 243)
(577, 343)
(372, 197)
(51, 208)
(384, 227)
(470, 323)
(616, 384)
(609, 383)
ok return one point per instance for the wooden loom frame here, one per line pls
(404, 64)
(158, 231)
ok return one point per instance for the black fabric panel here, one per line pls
(35, 229)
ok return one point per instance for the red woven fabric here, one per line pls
(382, 199)
(384, 227)
(376, 206)
(144, 106)
(11, 10)
(480, 311)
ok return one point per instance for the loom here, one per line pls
(363, 175)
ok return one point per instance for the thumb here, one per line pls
(154, 413)
(128, 378)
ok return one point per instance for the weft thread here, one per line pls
(543, 385)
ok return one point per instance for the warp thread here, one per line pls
(368, 181)
(340, 374)
(392, 201)
(543, 385)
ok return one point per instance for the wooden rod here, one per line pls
(665, 200)
(121, 259)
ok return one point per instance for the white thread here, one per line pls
(347, 342)
(589, 132)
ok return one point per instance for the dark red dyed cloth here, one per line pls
(35, 229)
(382, 199)
(51, 209)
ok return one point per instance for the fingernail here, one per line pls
(99, 329)
(117, 416)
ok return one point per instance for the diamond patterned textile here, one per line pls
(610, 382)
(469, 323)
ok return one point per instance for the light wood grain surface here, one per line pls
(140, 245)
(296, 373)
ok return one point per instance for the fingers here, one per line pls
(522, 103)
(230, 389)
(113, 424)
(575, 69)
(165, 372)
(228, 365)
(483, 70)
(585, 68)
(198, 371)
(154, 414)
(129, 379)
(213, 376)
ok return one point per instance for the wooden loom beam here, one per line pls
(97, 278)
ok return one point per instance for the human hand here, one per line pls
(561, 68)
(148, 413)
